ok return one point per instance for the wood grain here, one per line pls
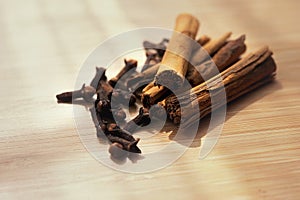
(43, 43)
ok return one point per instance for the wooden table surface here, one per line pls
(42, 46)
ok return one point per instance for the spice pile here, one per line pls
(170, 65)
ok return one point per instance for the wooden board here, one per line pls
(42, 45)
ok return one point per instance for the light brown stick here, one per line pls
(209, 49)
(225, 57)
(173, 67)
(242, 77)
(203, 40)
(174, 62)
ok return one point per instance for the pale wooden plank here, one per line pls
(41, 157)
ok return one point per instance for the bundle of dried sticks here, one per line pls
(169, 66)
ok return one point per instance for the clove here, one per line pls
(115, 134)
(123, 97)
(142, 119)
(100, 75)
(86, 92)
(129, 65)
(154, 52)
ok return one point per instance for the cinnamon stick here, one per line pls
(204, 39)
(224, 57)
(209, 48)
(245, 75)
(138, 82)
(147, 74)
(174, 65)
(153, 94)
(214, 45)
(230, 52)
